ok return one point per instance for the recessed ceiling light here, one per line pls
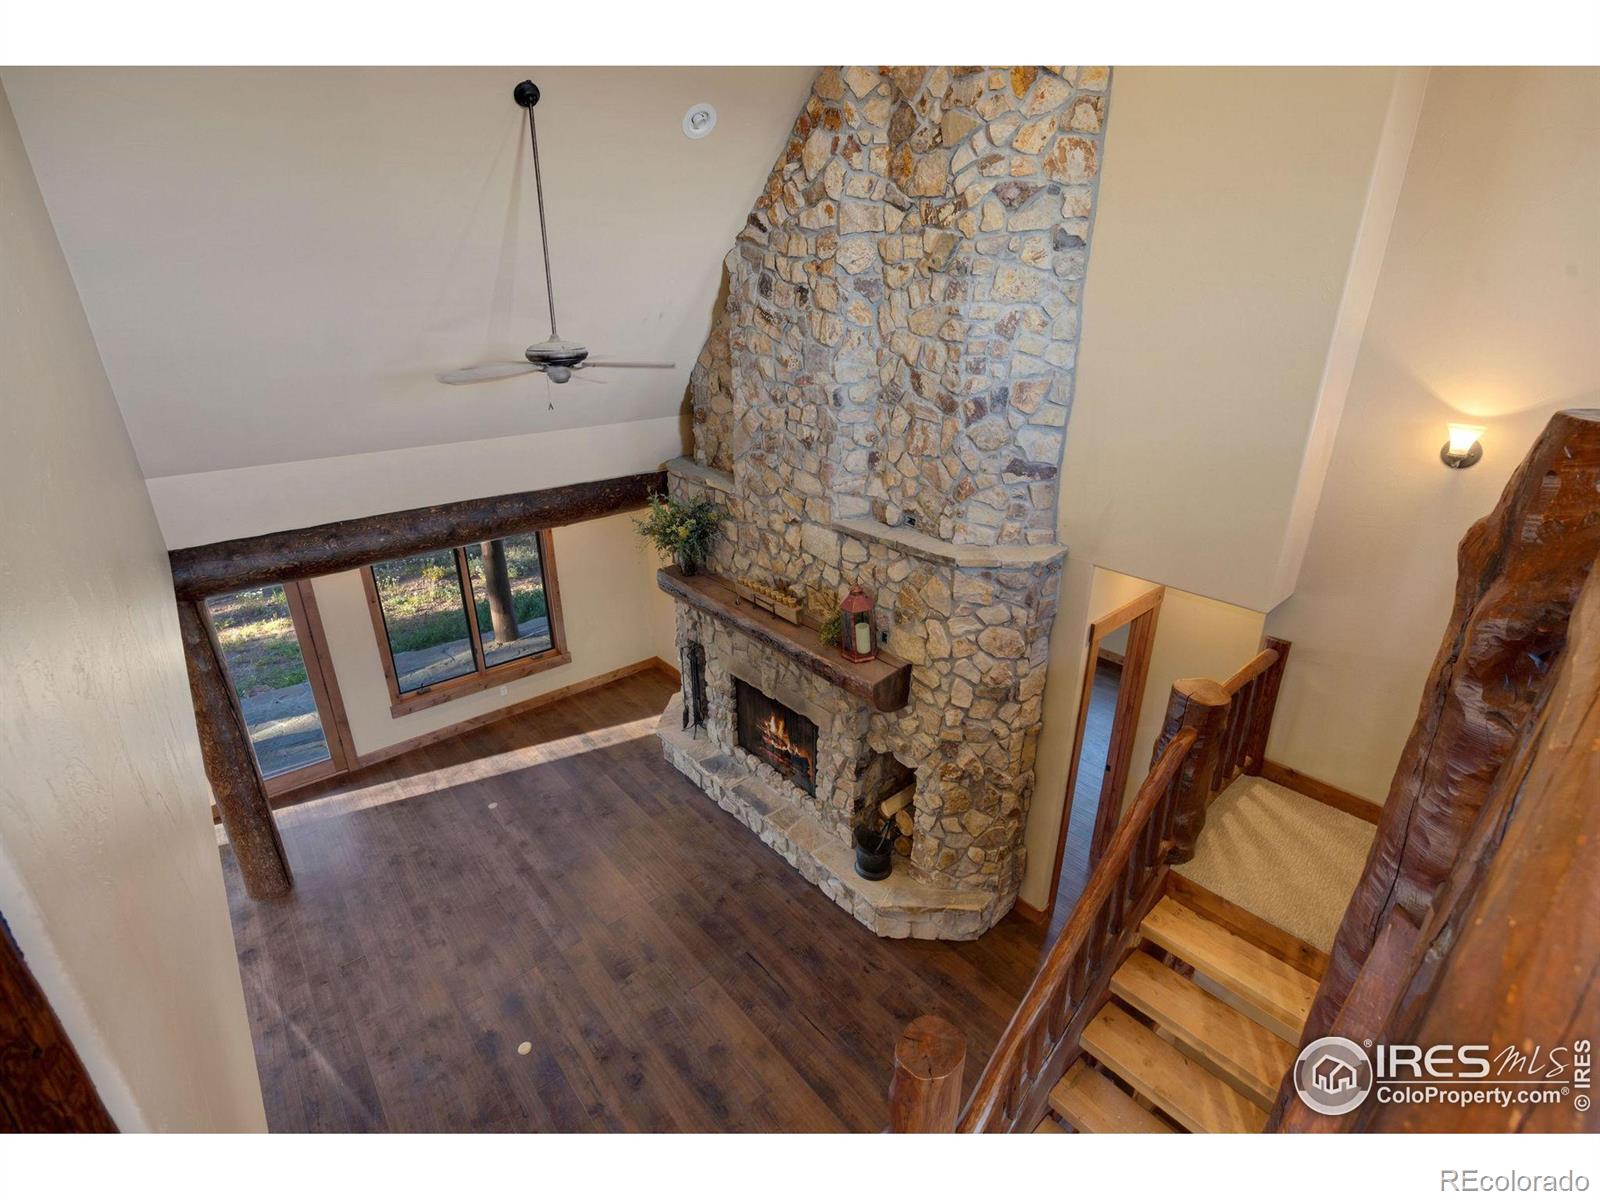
(700, 120)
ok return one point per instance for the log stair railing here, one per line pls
(1159, 1043)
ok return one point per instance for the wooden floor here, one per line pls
(1086, 791)
(550, 880)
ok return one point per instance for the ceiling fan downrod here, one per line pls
(526, 94)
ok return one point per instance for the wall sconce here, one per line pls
(1463, 449)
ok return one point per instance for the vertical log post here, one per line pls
(925, 1091)
(1201, 704)
(1255, 743)
(229, 762)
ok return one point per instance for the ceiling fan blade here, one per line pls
(663, 366)
(487, 372)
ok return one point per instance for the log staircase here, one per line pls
(1198, 1031)
(1152, 1013)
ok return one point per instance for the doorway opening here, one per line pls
(284, 691)
(1115, 671)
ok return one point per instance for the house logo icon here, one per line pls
(1333, 1076)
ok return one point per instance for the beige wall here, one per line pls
(212, 506)
(613, 613)
(109, 875)
(1241, 222)
(1194, 636)
(1231, 206)
(1486, 310)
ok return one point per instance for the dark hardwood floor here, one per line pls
(1086, 792)
(550, 880)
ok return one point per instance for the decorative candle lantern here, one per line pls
(858, 636)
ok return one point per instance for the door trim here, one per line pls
(1141, 613)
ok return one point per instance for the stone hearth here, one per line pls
(883, 401)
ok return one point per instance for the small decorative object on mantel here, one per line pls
(778, 601)
(683, 530)
(859, 638)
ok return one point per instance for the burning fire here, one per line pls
(777, 747)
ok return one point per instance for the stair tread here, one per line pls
(1247, 1054)
(1091, 1103)
(1048, 1124)
(1270, 989)
(1192, 1095)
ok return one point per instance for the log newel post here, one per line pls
(1200, 704)
(925, 1091)
(1255, 746)
(229, 762)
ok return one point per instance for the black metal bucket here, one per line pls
(874, 852)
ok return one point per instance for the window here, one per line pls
(292, 712)
(451, 622)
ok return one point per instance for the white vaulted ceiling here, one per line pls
(275, 262)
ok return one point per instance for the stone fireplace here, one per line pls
(883, 401)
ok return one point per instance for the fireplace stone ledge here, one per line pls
(929, 548)
(711, 477)
(900, 906)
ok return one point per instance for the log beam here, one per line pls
(218, 567)
(230, 764)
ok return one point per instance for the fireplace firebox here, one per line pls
(780, 737)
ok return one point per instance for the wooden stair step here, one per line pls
(1267, 988)
(1048, 1124)
(1192, 1095)
(1091, 1103)
(1248, 1055)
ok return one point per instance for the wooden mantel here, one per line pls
(884, 683)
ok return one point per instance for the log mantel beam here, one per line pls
(218, 567)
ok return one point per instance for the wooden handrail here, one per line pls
(1044, 1024)
(1251, 694)
(1250, 671)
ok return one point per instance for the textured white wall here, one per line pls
(1232, 203)
(109, 875)
(1487, 309)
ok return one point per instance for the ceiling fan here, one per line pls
(556, 357)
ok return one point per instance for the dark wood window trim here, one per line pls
(483, 677)
(342, 756)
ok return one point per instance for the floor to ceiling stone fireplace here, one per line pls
(883, 401)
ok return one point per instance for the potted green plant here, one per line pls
(682, 529)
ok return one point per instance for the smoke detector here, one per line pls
(700, 120)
